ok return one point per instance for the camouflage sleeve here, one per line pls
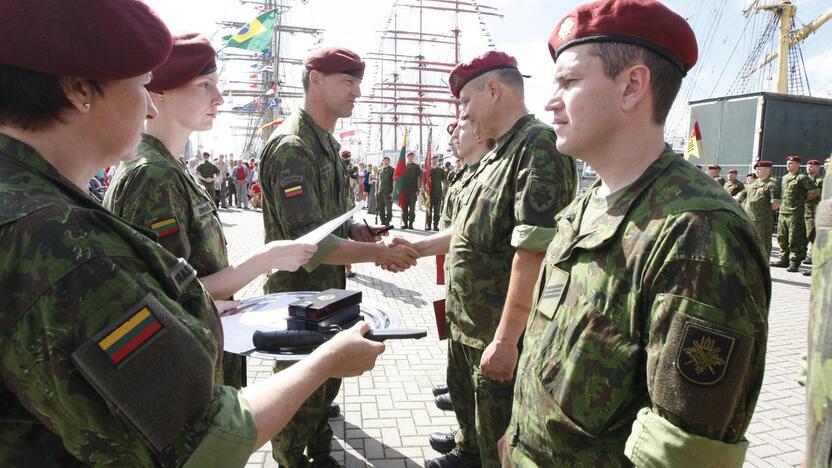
(545, 185)
(774, 191)
(123, 376)
(809, 186)
(705, 349)
(156, 198)
(289, 172)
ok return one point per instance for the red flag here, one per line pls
(346, 134)
(398, 175)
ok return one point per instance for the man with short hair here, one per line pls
(634, 355)
(732, 185)
(305, 184)
(501, 226)
(438, 179)
(762, 199)
(384, 194)
(223, 167)
(813, 172)
(206, 172)
(412, 185)
(797, 189)
(713, 171)
(241, 177)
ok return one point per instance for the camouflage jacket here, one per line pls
(412, 176)
(207, 170)
(305, 184)
(720, 180)
(451, 203)
(385, 180)
(819, 382)
(156, 192)
(759, 198)
(509, 202)
(733, 188)
(631, 319)
(109, 343)
(795, 188)
(437, 180)
(811, 205)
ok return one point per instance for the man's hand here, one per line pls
(499, 360)
(365, 233)
(397, 258)
(348, 353)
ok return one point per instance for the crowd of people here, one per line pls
(588, 331)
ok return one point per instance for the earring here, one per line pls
(86, 106)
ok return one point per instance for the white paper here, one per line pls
(258, 315)
(317, 235)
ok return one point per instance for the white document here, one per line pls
(317, 235)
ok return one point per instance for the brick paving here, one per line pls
(388, 414)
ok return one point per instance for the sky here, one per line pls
(724, 35)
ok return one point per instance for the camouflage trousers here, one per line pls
(308, 429)
(234, 370)
(764, 228)
(384, 201)
(810, 226)
(409, 209)
(482, 405)
(791, 236)
(434, 211)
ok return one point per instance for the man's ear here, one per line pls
(635, 87)
(494, 89)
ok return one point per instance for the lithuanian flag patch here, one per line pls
(128, 337)
(293, 191)
(165, 226)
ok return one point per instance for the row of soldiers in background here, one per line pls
(229, 183)
(796, 196)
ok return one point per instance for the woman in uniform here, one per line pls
(109, 343)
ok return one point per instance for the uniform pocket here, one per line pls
(586, 365)
(482, 218)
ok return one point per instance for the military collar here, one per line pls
(504, 139)
(161, 152)
(26, 157)
(324, 137)
(569, 221)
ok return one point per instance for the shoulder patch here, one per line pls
(542, 194)
(292, 186)
(165, 226)
(703, 354)
(203, 209)
(135, 331)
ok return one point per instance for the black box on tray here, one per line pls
(323, 304)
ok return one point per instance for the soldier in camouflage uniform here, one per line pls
(733, 186)
(796, 189)
(305, 183)
(412, 184)
(384, 193)
(819, 381)
(156, 192)
(762, 199)
(713, 171)
(206, 171)
(438, 181)
(109, 342)
(813, 172)
(633, 354)
(502, 220)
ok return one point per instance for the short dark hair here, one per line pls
(510, 77)
(32, 100)
(304, 79)
(665, 77)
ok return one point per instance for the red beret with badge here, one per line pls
(192, 56)
(346, 154)
(645, 23)
(762, 163)
(793, 158)
(464, 72)
(813, 162)
(336, 60)
(94, 39)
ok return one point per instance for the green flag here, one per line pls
(398, 175)
(256, 35)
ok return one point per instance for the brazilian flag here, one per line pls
(256, 35)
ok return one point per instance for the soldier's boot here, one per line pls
(782, 263)
(807, 272)
(439, 389)
(794, 267)
(443, 442)
(325, 461)
(456, 459)
(444, 402)
(808, 261)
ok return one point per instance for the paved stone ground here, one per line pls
(388, 413)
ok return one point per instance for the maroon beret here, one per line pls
(346, 154)
(732, 171)
(813, 162)
(794, 158)
(95, 39)
(762, 163)
(464, 72)
(751, 174)
(192, 56)
(715, 166)
(452, 126)
(646, 23)
(336, 60)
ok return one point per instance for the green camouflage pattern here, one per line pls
(760, 196)
(450, 205)
(412, 175)
(483, 421)
(302, 153)
(384, 194)
(794, 189)
(811, 208)
(523, 181)
(819, 382)
(438, 178)
(791, 225)
(155, 186)
(734, 188)
(207, 169)
(68, 269)
(601, 340)
(720, 180)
